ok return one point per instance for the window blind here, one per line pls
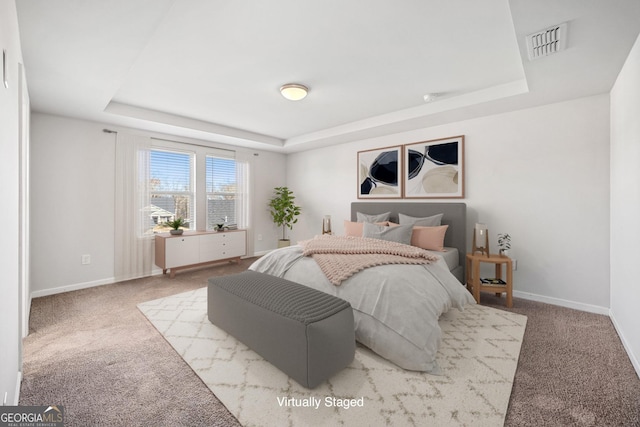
(222, 189)
(171, 189)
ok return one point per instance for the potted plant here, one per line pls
(504, 243)
(175, 225)
(284, 211)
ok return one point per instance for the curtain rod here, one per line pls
(191, 143)
(179, 142)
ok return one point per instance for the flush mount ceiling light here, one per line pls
(294, 91)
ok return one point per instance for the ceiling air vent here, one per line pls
(547, 42)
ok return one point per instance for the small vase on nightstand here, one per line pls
(504, 243)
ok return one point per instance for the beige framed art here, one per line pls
(434, 169)
(379, 173)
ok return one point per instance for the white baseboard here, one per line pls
(75, 287)
(27, 317)
(68, 288)
(634, 360)
(591, 309)
(524, 295)
(563, 303)
(108, 281)
(16, 395)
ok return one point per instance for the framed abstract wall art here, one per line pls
(434, 169)
(379, 173)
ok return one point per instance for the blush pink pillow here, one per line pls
(353, 228)
(431, 238)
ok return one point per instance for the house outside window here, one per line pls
(222, 192)
(171, 190)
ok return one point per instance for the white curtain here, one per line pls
(133, 248)
(243, 201)
(242, 190)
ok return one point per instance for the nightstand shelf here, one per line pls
(473, 276)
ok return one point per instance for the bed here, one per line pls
(397, 306)
(455, 216)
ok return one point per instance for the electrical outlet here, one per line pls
(259, 236)
(86, 259)
(514, 263)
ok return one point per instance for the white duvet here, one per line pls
(396, 307)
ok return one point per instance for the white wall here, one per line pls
(10, 338)
(269, 171)
(72, 202)
(541, 175)
(625, 204)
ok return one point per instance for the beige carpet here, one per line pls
(94, 352)
(478, 356)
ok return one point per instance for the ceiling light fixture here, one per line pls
(294, 91)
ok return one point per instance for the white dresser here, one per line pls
(194, 248)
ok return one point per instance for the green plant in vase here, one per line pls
(284, 211)
(175, 225)
(504, 243)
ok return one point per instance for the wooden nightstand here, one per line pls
(473, 276)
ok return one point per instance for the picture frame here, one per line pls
(434, 169)
(380, 173)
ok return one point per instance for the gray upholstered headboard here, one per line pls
(455, 216)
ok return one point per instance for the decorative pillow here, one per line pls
(373, 218)
(399, 233)
(431, 238)
(429, 221)
(355, 228)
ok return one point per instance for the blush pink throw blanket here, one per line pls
(340, 257)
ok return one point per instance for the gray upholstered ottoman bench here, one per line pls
(305, 333)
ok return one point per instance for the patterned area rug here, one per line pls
(478, 359)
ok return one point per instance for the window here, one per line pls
(171, 189)
(204, 186)
(222, 192)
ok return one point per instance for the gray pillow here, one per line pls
(429, 221)
(373, 218)
(398, 233)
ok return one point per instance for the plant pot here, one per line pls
(283, 243)
(176, 232)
